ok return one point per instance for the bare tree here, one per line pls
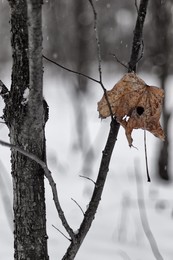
(25, 117)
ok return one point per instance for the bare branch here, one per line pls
(48, 175)
(137, 39)
(146, 157)
(87, 178)
(99, 61)
(97, 40)
(96, 197)
(143, 216)
(61, 233)
(78, 206)
(120, 62)
(99, 56)
(69, 70)
(88, 77)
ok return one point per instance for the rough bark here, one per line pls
(137, 38)
(24, 115)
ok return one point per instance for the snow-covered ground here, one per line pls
(116, 232)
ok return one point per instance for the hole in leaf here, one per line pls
(140, 110)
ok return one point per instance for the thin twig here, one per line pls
(72, 71)
(143, 216)
(78, 206)
(61, 233)
(48, 175)
(88, 77)
(97, 40)
(87, 178)
(99, 56)
(120, 62)
(99, 60)
(146, 157)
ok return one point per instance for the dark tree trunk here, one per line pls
(24, 115)
(138, 36)
(161, 60)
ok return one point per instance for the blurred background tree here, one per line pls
(161, 57)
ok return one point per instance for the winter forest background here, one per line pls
(76, 136)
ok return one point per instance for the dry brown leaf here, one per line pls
(135, 105)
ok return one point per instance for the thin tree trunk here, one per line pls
(24, 115)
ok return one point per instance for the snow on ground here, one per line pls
(116, 232)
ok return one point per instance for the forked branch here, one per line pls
(96, 197)
(51, 182)
(70, 70)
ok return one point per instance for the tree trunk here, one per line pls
(83, 55)
(24, 115)
(161, 60)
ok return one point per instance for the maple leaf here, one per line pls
(135, 105)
